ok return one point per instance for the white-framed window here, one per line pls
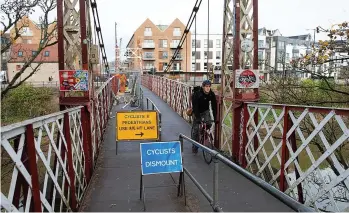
(177, 31)
(147, 31)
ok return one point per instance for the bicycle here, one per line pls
(206, 139)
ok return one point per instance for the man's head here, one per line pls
(206, 86)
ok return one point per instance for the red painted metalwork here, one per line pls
(256, 120)
(284, 152)
(86, 145)
(60, 30)
(66, 130)
(33, 167)
(242, 148)
(67, 133)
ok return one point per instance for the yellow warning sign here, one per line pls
(137, 125)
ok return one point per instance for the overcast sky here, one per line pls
(291, 17)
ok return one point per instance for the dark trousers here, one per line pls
(196, 126)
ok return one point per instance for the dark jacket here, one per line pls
(200, 102)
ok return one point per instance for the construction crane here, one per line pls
(117, 49)
(120, 63)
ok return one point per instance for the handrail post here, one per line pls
(66, 130)
(215, 181)
(33, 167)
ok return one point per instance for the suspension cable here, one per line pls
(195, 54)
(208, 37)
(99, 33)
(186, 31)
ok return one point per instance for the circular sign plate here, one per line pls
(247, 78)
(246, 45)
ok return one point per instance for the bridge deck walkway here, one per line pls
(115, 184)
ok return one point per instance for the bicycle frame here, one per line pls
(204, 132)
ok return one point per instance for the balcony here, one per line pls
(148, 33)
(148, 57)
(178, 57)
(147, 68)
(146, 45)
(174, 45)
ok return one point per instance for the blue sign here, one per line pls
(161, 157)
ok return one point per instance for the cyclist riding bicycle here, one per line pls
(201, 109)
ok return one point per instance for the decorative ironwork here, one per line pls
(300, 150)
(45, 160)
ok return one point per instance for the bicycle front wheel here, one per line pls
(208, 156)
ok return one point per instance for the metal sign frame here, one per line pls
(180, 185)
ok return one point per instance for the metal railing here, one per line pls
(301, 150)
(65, 149)
(214, 200)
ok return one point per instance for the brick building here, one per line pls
(157, 44)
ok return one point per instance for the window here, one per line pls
(162, 66)
(193, 67)
(147, 43)
(210, 55)
(163, 43)
(147, 31)
(260, 44)
(177, 66)
(163, 55)
(198, 44)
(20, 53)
(149, 55)
(281, 45)
(197, 55)
(34, 53)
(287, 56)
(260, 55)
(25, 31)
(218, 43)
(218, 55)
(205, 65)
(197, 66)
(176, 31)
(47, 53)
(174, 43)
(206, 43)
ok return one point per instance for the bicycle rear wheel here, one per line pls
(208, 156)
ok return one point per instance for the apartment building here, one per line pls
(31, 32)
(48, 58)
(275, 52)
(200, 57)
(5, 40)
(157, 44)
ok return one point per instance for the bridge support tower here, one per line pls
(240, 27)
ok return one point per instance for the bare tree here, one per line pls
(13, 12)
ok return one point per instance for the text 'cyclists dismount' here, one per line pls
(161, 157)
(137, 125)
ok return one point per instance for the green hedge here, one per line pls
(25, 102)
